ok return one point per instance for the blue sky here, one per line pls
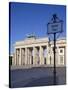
(27, 18)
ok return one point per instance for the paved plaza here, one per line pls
(37, 76)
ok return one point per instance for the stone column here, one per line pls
(57, 56)
(28, 56)
(65, 56)
(34, 55)
(52, 56)
(15, 57)
(48, 54)
(41, 56)
(26, 62)
(20, 58)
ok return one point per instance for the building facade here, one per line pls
(39, 52)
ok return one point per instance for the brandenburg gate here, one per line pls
(38, 52)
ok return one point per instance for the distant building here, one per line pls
(39, 52)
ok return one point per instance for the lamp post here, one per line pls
(54, 27)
